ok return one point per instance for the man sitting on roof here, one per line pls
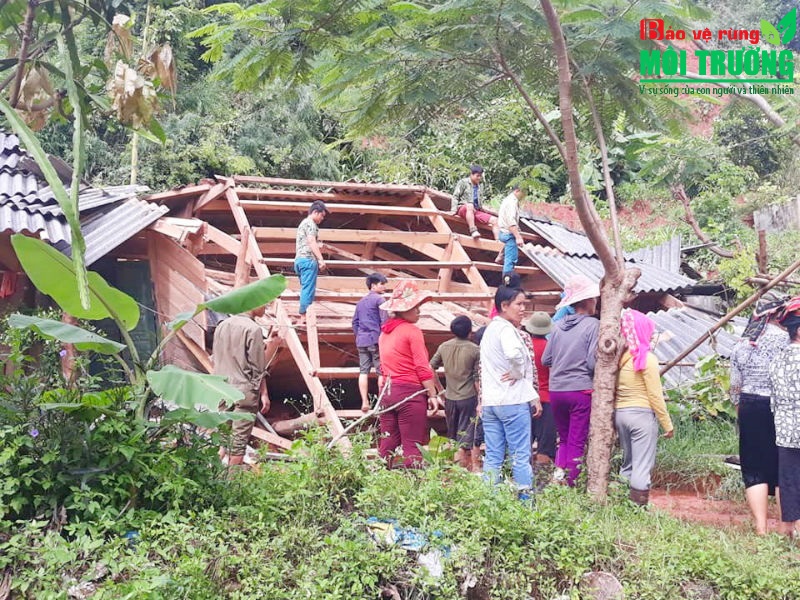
(467, 202)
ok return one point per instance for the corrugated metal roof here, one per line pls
(666, 256)
(560, 268)
(683, 326)
(27, 204)
(109, 227)
(566, 240)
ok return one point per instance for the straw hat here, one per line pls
(539, 323)
(405, 296)
(577, 288)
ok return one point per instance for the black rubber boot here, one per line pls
(640, 497)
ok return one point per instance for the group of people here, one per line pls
(765, 387)
(467, 203)
(519, 381)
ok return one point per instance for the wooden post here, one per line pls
(719, 324)
(242, 270)
(761, 256)
(312, 337)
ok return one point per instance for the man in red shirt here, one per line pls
(544, 429)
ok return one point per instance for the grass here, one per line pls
(693, 458)
(297, 530)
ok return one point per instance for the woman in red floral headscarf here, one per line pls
(406, 364)
(640, 405)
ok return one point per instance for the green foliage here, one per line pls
(52, 329)
(735, 271)
(53, 274)
(70, 447)
(297, 529)
(707, 396)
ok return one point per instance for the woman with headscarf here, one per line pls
(761, 344)
(640, 406)
(571, 355)
(507, 392)
(785, 379)
(405, 360)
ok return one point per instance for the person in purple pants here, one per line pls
(571, 355)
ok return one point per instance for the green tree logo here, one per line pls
(784, 32)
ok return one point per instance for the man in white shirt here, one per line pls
(508, 222)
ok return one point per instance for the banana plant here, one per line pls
(54, 274)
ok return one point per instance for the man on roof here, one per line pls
(467, 202)
(308, 256)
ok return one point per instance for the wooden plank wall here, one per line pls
(179, 280)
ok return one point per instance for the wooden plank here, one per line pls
(468, 241)
(245, 232)
(311, 195)
(199, 353)
(212, 194)
(473, 275)
(256, 206)
(353, 297)
(222, 239)
(271, 438)
(241, 273)
(351, 284)
(188, 191)
(312, 336)
(348, 373)
(178, 259)
(446, 275)
(522, 270)
(376, 264)
(351, 235)
(380, 188)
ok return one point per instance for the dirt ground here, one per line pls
(694, 507)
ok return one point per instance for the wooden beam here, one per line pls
(376, 264)
(353, 297)
(468, 241)
(200, 354)
(473, 275)
(354, 235)
(188, 191)
(310, 195)
(241, 274)
(312, 336)
(271, 438)
(212, 194)
(302, 207)
(379, 188)
(493, 266)
(223, 240)
(446, 275)
(351, 284)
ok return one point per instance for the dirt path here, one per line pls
(697, 508)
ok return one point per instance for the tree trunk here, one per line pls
(615, 287)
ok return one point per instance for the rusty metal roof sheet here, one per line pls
(560, 267)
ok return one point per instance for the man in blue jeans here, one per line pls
(508, 222)
(308, 256)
